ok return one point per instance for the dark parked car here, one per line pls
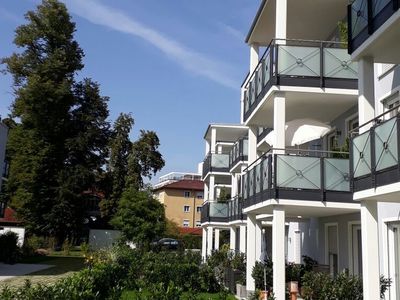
(166, 244)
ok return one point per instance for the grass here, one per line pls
(62, 267)
(135, 295)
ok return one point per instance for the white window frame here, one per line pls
(198, 223)
(186, 223)
(186, 210)
(326, 225)
(185, 193)
(351, 247)
(198, 209)
(201, 194)
(347, 122)
(389, 101)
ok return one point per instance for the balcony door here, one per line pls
(332, 248)
(356, 248)
(394, 258)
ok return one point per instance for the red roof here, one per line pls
(188, 230)
(9, 216)
(197, 185)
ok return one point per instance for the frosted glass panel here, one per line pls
(251, 182)
(252, 92)
(338, 64)
(386, 152)
(266, 67)
(218, 209)
(362, 154)
(258, 178)
(298, 172)
(245, 185)
(299, 61)
(359, 16)
(220, 160)
(265, 174)
(378, 5)
(246, 101)
(337, 174)
(259, 80)
(245, 147)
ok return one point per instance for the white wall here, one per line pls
(101, 238)
(18, 230)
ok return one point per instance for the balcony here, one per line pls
(365, 17)
(374, 154)
(299, 63)
(214, 212)
(216, 162)
(235, 210)
(238, 152)
(312, 175)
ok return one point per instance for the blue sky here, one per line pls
(177, 65)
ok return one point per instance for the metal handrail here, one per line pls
(375, 120)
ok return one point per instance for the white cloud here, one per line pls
(189, 59)
(232, 31)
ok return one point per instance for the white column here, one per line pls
(281, 19)
(278, 253)
(252, 144)
(209, 240)
(279, 121)
(211, 188)
(254, 56)
(250, 253)
(242, 236)
(204, 244)
(207, 147)
(216, 237)
(233, 185)
(370, 251)
(219, 149)
(366, 94)
(213, 139)
(206, 196)
(232, 237)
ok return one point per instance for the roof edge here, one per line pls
(255, 20)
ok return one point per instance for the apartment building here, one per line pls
(374, 43)
(3, 162)
(298, 104)
(182, 195)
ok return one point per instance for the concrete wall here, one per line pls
(102, 238)
(343, 233)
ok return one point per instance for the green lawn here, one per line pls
(63, 266)
(134, 295)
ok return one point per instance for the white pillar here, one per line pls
(252, 144)
(254, 57)
(207, 147)
(366, 94)
(216, 237)
(279, 121)
(211, 188)
(233, 185)
(370, 251)
(250, 253)
(281, 19)
(209, 240)
(258, 240)
(219, 149)
(278, 253)
(206, 196)
(242, 236)
(204, 244)
(232, 238)
(213, 139)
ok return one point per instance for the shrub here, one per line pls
(9, 250)
(258, 274)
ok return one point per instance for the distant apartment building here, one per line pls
(182, 194)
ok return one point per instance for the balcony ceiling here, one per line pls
(226, 133)
(307, 19)
(323, 107)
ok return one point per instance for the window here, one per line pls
(332, 141)
(198, 224)
(198, 209)
(352, 124)
(390, 102)
(186, 208)
(199, 195)
(186, 194)
(185, 223)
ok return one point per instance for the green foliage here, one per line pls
(9, 250)
(140, 217)
(343, 32)
(224, 195)
(258, 274)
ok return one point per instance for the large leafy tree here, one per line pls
(140, 217)
(58, 145)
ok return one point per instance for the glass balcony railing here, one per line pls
(299, 63)
(215, 162)
(299, 177)
(214, 212)
(235, 210)
(238, 152)
(365, 17)
(375, 154)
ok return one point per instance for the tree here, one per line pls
(57, 147)
(140, 217)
